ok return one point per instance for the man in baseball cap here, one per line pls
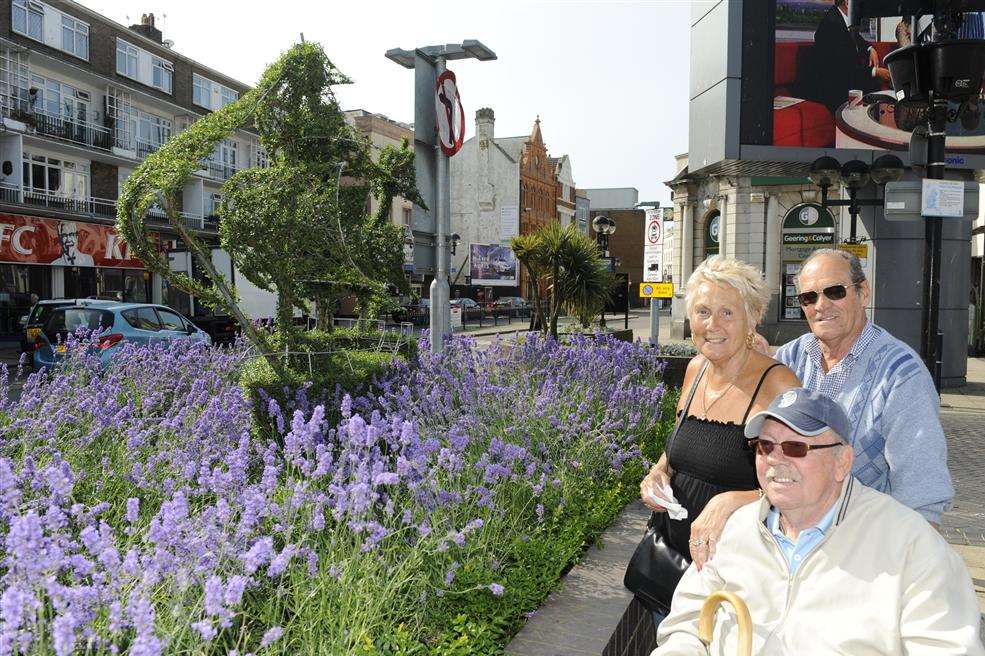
(825, 564)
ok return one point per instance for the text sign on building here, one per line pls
(653, 239)
(449, 114)
(33, 240)
(942, 198)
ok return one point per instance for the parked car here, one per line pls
(516, 306)
(470, 309)
(35, 320)
(223, 329)
(118, 323)
(416, 313)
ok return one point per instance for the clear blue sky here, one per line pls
(608, 78)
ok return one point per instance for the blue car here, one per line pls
(118, 323)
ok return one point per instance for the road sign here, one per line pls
(449, 114)
(656, 290)
(653, 244)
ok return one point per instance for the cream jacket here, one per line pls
(881, 582)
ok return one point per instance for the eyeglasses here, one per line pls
(790, 449)
(834, 293)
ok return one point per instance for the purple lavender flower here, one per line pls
(496, 589)
(271, 636)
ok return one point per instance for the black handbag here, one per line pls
(656, 567)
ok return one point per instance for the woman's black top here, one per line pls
(708, 457)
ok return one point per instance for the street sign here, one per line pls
(904, 201)
(861, 251)
(656, 290)
(942, 198)
(449, 114)
(653, 243)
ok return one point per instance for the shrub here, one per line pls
(143, 512)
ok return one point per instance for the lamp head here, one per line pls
(886, 168)
(825, 171)
(855, 174)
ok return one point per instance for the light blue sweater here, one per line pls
(892, 404)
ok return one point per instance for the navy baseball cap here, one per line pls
(806, 412)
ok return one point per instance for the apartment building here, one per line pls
(83, 101)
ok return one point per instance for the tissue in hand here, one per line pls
(674, 509)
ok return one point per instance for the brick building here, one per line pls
(83, 101)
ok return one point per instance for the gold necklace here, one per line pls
(704, 393)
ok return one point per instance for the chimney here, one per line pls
(146, 28)
(485, 122)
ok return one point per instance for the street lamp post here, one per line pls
(603, 226)
(855, 174)
(431, 164)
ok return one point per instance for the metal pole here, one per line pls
(440, 315)
(654, 322)
(933, 338)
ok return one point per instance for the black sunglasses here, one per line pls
(790, 449)
(834, 293)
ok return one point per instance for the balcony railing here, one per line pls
(219, 171)
(62, 127)
(145, 148)
(93, 207)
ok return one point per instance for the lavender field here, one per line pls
(151, 509)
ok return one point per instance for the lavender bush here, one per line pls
(143, 511)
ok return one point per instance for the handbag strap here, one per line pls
(687, 405)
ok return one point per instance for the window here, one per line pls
(28, 19)
(152, 131)
(212, 202)
(47, 176)
(170, 320)
(126, 59)
(75, 37)
(201, 91)
(211, 95)
(163, 74)
(407, 216)
(262, 159)
(142, 318)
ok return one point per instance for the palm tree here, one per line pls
(568, 262)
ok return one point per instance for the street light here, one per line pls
(826, 172)
(603, 226)
(431, 164)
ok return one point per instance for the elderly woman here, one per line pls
(707, 463)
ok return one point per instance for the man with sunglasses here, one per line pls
(825, 564)
(881, 383)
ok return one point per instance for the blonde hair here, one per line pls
(743, 278)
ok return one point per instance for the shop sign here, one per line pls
(806, 227)
(33, 240)
(713, 231)
(861, 251)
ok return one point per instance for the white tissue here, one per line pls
(674, 509)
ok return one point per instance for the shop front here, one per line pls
(806, 228)
(44, 258)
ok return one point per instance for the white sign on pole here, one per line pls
(942, 198)
(509, 223)
(449, 114)
(653, 246)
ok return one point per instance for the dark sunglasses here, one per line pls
(790, 449)
(834, 293)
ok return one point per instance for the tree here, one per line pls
(568, 263)
(298, 227)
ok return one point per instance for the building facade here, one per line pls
(502, 187)
(84, 100)
(626, 243)
(583, 207)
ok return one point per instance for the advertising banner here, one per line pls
(493, 265)
(822, 70)
(33, 240)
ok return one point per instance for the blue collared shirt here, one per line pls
(830, 383)
(807, 540)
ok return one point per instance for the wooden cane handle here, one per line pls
(706, 621)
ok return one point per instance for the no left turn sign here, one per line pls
(450, 115)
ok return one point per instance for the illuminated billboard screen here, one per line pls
(822, 70)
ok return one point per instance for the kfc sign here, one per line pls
(32, 240)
